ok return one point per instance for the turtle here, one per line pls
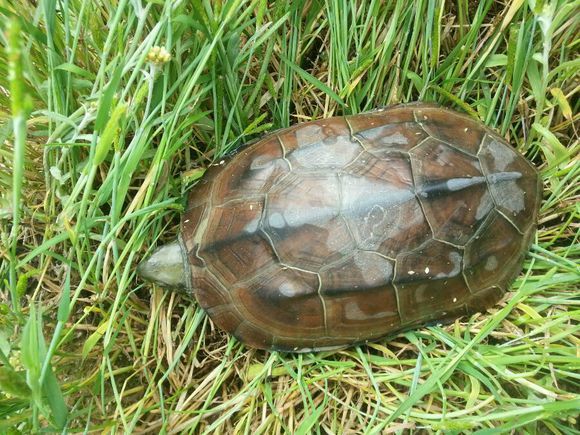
(348, 229)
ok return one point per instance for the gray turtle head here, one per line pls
(166, 267)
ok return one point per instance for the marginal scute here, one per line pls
(253, 336)
(432, 301)
(286, 343)
(351, 228)
(226, 317)
(429, 301)
(487, 297)
(452, 190)
(201, 192)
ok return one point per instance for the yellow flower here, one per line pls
(158, 55)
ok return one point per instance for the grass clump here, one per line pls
(110, 110)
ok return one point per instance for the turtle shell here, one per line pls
(347, 229)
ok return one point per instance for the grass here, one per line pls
(99, 144)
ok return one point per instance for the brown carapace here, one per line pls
(348, 229)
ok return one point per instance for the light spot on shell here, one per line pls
(352, 311)
(455, 259)
(328, 151)
(288, 288)
(396, 138)
(384, 136)
(355, 195)
(484, 207)
(374, 269)
(295, 217)
(423, 293)
(252, 226)
(276, 220)
(491, 263)
(502, 155)
(427, 270)
(510, 196)
(308, 134)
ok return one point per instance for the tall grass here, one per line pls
(100, 138)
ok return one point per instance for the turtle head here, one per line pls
(166, 267)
